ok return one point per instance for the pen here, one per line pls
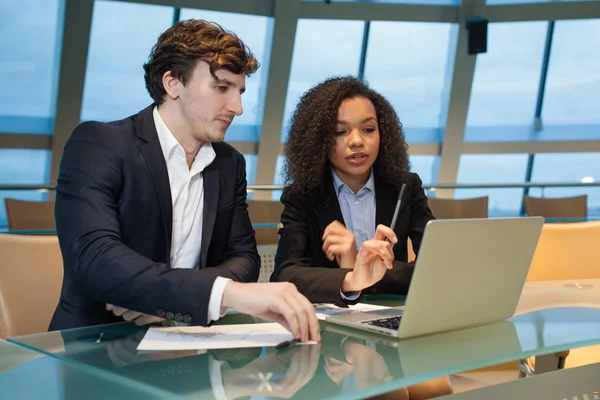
(397, 210)
(288, 343)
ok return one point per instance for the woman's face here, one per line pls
(356, 140)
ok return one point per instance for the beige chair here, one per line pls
(565, 207)
(29, 215)
(31, 272)
(567, 251)
(265, 212)
(476, 207)
(411, 253)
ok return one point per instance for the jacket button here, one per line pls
(169, 315)
(160, 313)
(178, 317)
(187, 318)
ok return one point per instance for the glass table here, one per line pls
(29, 375)
(348, 364)
(579, 287)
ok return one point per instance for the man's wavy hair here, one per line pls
(180, 47)
(312, 135)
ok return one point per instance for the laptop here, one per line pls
(469, 272)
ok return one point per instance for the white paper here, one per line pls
(325, 310)
(214, 337)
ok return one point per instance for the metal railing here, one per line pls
(432, 187)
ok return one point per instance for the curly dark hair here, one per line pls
(180, 47)
(312, 135)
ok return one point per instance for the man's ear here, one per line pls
(171, 85)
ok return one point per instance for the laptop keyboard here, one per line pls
(392, 323)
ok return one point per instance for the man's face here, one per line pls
(208, 105)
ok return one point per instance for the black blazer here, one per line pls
(114, 223)
(301, 260)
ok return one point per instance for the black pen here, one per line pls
(288, 343)
(397, 210)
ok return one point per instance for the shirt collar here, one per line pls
(339, 185)
(168, 143)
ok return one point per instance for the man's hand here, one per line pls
(283, 374)
(133, 316)
(369, 366)
(338, 243)
(278, 302)
(374, 258)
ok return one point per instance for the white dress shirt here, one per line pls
(187, 194)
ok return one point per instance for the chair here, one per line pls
(31, 272)
(476, 207)
(265, 212)
(565, 207)
(30, 215)
(567, 251)
(267, 261)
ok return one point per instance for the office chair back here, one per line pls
(30, 215)
(565, 207)
(567, 251)
(31, 272)
(476, 207)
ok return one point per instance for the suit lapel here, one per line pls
(211, 200)
(152, 152)
(328, 201)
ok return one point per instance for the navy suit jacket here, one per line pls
(114, 223)
(300, 258)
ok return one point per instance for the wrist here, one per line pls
(349, 260)
(229, 295)
(349, 284)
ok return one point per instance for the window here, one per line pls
(429, 2)
(253, 31)
(121, 39)
(506, 81)
(573, 86)
(251, 162)
(338, 53)
(276, 194)
(494, 168)
(406, 63)
(22, 167)
(569, 167)
(425, 167)
(29, 66)
(502, 2)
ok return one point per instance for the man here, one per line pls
(151, 210)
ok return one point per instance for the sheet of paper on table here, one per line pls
(214, 337)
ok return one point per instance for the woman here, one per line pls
(346, 161)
